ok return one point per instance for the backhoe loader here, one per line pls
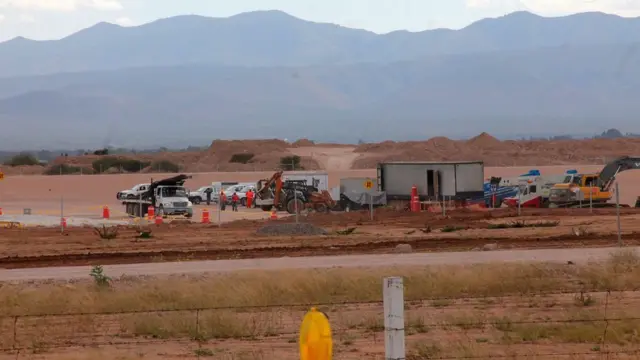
(291, 195)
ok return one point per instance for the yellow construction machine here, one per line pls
(587, 189)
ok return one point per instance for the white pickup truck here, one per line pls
(133, 193)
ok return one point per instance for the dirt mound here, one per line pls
(484, 141)
(494, 152)
(22, 170)
(290, 229)
(303, 143)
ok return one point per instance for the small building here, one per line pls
(455, 180)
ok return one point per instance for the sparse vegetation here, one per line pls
(242, 158)
(165, 166)
(106, 232)
(24, 159)
(523, 224)
(452, 228)
(99, 277)
(63, 169)
(126, 165)
(348, 231)
(290, 163)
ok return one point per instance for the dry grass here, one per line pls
(247, 289)
(507, 315)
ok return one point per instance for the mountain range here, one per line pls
(190, 79)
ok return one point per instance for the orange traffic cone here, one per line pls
(158, 220)
(63, 223)
(105, 212)
(274, 215)
(151, 212)
(205, 216)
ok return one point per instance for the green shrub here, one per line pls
(242, 158)
(165, 166)
(22, 159)
(128, 165)
(290, 163)
(63, 169)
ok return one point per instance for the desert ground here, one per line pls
(479, 283)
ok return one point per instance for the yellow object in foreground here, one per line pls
(315, 337)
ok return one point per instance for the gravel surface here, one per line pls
(562, 256)
(291, 229)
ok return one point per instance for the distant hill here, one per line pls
(557, 90)
(274, 38)
(170, 82)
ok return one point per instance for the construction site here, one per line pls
(136, 230)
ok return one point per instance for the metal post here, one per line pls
(220, 208)
(61, 213)
(591, 200)
(371, 205)
(618, 214)
(519, 198)
(393, 301)
(295, 201)
(140, 213)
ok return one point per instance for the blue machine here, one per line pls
(502, 192)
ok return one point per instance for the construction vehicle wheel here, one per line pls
(291, 206)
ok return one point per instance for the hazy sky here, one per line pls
(52, 19)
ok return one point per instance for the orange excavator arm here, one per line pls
(276, 179)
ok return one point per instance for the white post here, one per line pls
(393, 295)
(591, 200)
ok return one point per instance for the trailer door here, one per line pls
(433, 183)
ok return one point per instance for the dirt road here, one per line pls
(158, 269)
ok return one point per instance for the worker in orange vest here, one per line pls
(249, 198)
(223, 201)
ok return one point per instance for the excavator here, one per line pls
(591, 188)
(290, 195)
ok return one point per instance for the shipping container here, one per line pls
(456, 180)
(318, 179)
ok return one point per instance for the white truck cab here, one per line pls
(134, 192)
(173, 200)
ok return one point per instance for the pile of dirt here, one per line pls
(283, 229)
(257, 155)
(494, 152)
(484, 141)
(303, 143)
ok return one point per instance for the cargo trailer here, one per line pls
(459, 181)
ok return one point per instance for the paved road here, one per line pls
(79, 272)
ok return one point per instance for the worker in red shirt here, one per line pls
(249, 198)
(234, 201)
(223, 201)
